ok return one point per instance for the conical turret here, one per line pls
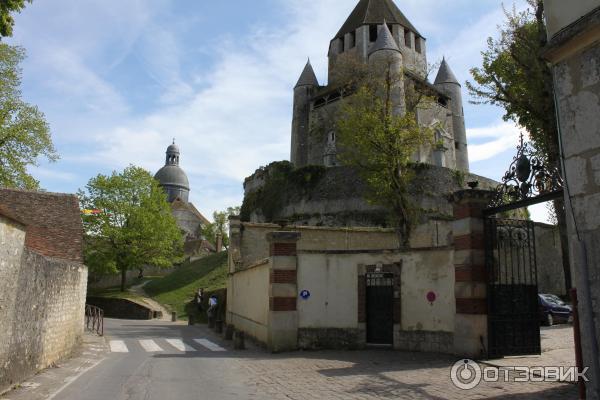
(446, 82)
(308, 76)
(445, 74)
(385, 40)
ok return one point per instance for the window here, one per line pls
(418, 44)
(456, 145)
(332, 136)
(373, 33)
(442, 101)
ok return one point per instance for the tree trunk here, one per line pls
(564, 242)
(123, 278)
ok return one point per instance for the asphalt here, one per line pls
(193, 369)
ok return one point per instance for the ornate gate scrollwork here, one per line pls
(528, 177)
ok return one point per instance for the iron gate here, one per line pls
(380, 308)
(513, 310)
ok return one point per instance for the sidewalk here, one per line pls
(49, 382)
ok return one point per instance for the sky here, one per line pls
(119, 80)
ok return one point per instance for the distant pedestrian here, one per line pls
(199, 298)
(212, 307)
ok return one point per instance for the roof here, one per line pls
(172, 175)
(178, 204)
(192, 246)
(52, 221)
(369, 12)
(308, 77)
(385, 40)
(445, 74)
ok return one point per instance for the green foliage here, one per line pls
(220, 225)
(515, 76)
(459, 177)
(135, 226)
(6, 20)
(24, 132)
(379, 138)
(178, 288)
(280, 179)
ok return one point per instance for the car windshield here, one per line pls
(549, 298)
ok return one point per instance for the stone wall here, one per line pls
(574, 51)
(121, 308)
(42, 307)
(336, 197)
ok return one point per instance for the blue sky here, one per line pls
(118, 80)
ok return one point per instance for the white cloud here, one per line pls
(504, 136)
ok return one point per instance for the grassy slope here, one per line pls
(177, 289)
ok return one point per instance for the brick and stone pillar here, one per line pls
(471, 324)
(283, 293)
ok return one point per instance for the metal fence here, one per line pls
(94, 319)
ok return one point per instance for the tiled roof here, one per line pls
(385, 41)
(375, 12)
(52, 221)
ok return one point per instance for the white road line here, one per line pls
(209, 345)
(150, 346)
(118, 346)
(180, 345)
(73, 379)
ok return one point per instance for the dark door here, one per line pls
(513, 310)
(380, 308)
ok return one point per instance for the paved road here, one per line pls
(155, 360)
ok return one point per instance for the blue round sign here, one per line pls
(305, 294)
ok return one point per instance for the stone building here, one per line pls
(174, 181)
(574, 51)
(43, 281)
(313, 264)
(377, 32)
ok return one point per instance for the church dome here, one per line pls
(172, 178)
(172, 175)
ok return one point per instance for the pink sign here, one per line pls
(431, 297)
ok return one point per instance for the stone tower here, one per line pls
(377, 31)
(303, 91)
(172, 178)
(447, 83)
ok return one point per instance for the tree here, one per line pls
(131, 225)
(220, 225)
(378, 133)
(515, 76)
(24, 132)
(6, 20)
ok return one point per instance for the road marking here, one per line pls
(150, 346)
(209, 345)
(180, 345)
(73, 379)
(118, 346)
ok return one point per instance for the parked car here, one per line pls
(553, 310)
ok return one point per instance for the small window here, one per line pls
(418, 44)
(373, 33)
(352, 43)
(442, 101)
(332, 136)
(456, 145)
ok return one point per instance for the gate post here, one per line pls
(283, 293)
(470, 323)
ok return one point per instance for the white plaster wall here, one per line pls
(248, 304)
(332, 280)
(425, 272)
(561, 13)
